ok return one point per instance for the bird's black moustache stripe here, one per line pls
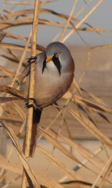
(57, 63)
(44, 65)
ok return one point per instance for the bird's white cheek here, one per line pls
(51, 68)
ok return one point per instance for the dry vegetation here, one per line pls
(82, 108)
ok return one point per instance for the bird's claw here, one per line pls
(32, 59)
(31, 103)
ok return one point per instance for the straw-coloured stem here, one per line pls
(31, 88)
(82, 21)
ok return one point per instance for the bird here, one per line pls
(54, 73)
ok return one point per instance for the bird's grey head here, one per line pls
(60, 55)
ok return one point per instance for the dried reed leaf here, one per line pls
(7, 34)
(13, 91)
(67, 95)
(7, 99)
(28, 3)
(54, 135)
(70, 173)
(19, 3)
(82, 21)
(19, 110)
(102, 171)
(25, 164)
(83, 8)
(91, 157)
(89, 104)
(13, 46)
(11, 35)
(13, 53)
(99, 100)
(78, 183)
(91, 29)
(102, 46)
(68, 20)
(58, 14)
(19, 47)
(7, 71)
(10, 118)
(104, 117)
(91, 128)
(94, 106)
(9, 166)
(77, 86)
(13, 60)
(2, 35)
(106, 175)
(10, 15)
(42, 179)
(96, 161)
(76, 30)
(58, 145)
(27, 21)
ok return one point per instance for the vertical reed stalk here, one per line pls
(31, 89)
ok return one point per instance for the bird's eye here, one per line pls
(57, 55)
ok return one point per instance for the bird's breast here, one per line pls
(50, 86)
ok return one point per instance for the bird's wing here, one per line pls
(23, 75)
(39, 58)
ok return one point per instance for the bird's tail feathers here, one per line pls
(35, 127)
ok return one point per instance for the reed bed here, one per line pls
(78, 104)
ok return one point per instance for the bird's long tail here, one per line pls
(35, 127)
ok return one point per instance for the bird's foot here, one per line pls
(31, 103)
(32, 59)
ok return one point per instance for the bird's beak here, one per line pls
(48, 59)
